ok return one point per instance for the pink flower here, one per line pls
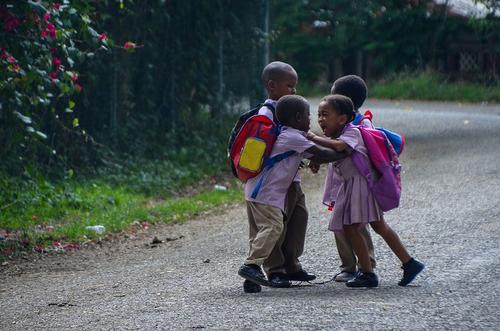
(56, 62)
(36, 19)
(57, 6)
(78, 87)
(53, 75)
(74, 76)
(11, 23)
(46, 17)
(50, 30)
(71, 246)
(102, 36)
(129, 45)
(11, 59)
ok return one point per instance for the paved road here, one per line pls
(450, 219)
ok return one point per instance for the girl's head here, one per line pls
(293, 111)
(334, 112)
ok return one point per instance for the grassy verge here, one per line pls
(428, 86)
(419, 86)
(54, 222)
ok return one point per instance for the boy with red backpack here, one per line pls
(279, 256)
(275, 203)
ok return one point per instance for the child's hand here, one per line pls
(310, 135)
(314, 167)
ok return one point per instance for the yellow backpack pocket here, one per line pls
(252, 154)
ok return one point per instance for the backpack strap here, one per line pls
(271, 107)
(357, 120)
(268, 164)
(361, 164)
(368, 115)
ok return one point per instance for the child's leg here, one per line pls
(359, 245)
(346, 253)
(365, 232)
(266, 227)
(295, 235)
(285, 256)
(392, 239)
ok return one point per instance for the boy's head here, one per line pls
(351, 86)
(293, 111)
(279, 79)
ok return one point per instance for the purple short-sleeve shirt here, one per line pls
(333, 179)
(278, 179)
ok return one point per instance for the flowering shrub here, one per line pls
(42, 44)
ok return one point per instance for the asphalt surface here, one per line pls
(449, 219)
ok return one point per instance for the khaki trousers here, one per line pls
(346, 253)
(265, 229)
(290, 246)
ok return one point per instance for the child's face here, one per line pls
(330, 121)
(304, 120)
(286, 86)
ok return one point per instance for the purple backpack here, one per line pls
(386, 184)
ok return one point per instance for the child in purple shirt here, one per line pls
(355, 205)
(283, 265)
(267, 209)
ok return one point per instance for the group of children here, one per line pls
(278, 216)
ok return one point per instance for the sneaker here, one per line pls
(363, 279)
(253, 273)
(250, 287)
(279, 280)
(410, 270)
(345, 276)
(300, 276)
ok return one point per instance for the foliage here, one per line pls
(43, 46)
(317, 36)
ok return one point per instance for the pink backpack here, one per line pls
(386, 187)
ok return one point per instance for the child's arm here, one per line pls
(324, 155)
(335, 144)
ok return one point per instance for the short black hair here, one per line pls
(342, 105)
(351, 86)
(288, 106)
(277, 71)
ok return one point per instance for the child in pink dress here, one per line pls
(355, 205)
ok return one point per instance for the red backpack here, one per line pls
(252, 146)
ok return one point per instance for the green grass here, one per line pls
(429, 86)
(62, 213)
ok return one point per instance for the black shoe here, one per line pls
(250, 287)
(279, 280)
(253, 273)
(363, 279)
(410, 270)
(300, 276)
